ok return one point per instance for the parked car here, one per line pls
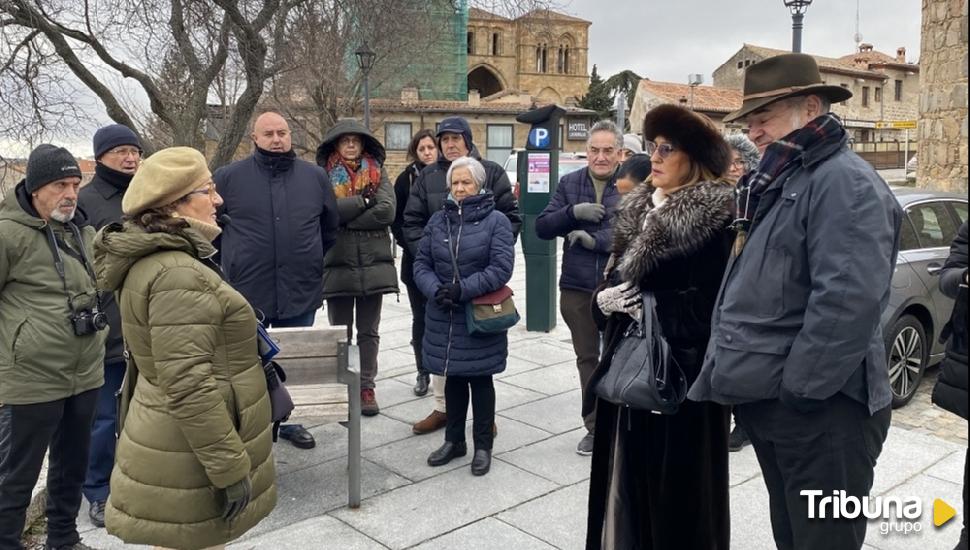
(917, 309)
(568, 162)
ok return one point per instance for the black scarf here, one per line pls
(114, 178)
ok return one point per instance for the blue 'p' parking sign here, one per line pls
(539, 138)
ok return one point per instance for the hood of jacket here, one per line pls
(19, 208)
(118, 247)
(343, 127)
(645, 236)
(472, 209)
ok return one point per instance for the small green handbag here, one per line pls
(492, 312)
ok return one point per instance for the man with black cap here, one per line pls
(796, 340)
(118, 153)
(428, 195)
(51, 329)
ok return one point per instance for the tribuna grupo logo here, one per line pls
(898, 514)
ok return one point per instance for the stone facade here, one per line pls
(542, 53)
(943, 101)
(711, 101)
(884, 88)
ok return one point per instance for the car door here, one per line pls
(935, 229)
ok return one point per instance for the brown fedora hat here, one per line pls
(786, 75)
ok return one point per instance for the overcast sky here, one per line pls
(668, 39)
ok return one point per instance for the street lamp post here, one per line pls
(365, 61)
(798, 9)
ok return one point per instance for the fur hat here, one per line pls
(746, 149)
(164, 178)
(690, 132)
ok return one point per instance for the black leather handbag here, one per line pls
(643, 373)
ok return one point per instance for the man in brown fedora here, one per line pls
(797, 344)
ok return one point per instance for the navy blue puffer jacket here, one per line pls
(485, 257)
(582, 269)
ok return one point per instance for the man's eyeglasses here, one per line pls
(125, 152)
(664, 149)
(209, 189)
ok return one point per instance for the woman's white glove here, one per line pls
(624, 298)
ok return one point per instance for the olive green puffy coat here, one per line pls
(361, 262)
(199, 419)
(41, 359)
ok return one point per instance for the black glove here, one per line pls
(804, 405)
(448, 295)
(237, 498)
(370, 196)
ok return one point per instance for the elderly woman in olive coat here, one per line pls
(194, 466)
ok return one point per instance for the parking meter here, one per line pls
(538, 175)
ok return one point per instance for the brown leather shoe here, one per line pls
(368, 402)
(435, 421)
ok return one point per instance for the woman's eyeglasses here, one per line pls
(209, 190)
(664, 149)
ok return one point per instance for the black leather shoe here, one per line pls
(446, 452)
(96, 513)
(482, 462)
(298, 436)
(421, 384)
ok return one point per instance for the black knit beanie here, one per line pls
(48, 163)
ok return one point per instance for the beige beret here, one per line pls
(165, 177)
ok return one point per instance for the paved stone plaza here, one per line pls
(535, 496)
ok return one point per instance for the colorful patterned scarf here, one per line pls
(778, 158)
(353, 177)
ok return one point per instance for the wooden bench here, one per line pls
(321, 355)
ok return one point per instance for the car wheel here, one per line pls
(906, 352)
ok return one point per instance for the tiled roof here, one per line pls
(552, 15)
(825, 64)
(478, 13)
(709, 99)
(440, 106)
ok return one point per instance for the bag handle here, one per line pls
(451, 251)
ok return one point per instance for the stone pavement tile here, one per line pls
(927, 489)
(508, 396)
(410, 411)
(395, 322)
(514, 366)
(416, 513)
(554, 459)
(558, 518)
(743, 466)
(408, 457)
(100, 539)
(332, 443)
(950, 468)
(394, 391)
(750, 521)
(315, 491)
(392, 339)
(487, 534)
(550, 380)
(906, 454)
(542, 352)
(318, 532)
(556, 414)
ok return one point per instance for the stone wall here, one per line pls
(943, 97)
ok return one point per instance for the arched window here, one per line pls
(565, 60)
(559, 60)
(542, 52)
(496, 43)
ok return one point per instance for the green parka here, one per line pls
(41, 359)
(361, 262)
(199, 419)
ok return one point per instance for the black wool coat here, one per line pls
(664, 464)
(950, 392)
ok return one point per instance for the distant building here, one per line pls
(713, 101)
(12, 171)
(885, 89)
